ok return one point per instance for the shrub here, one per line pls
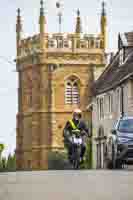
(57, 160)
(8, 164)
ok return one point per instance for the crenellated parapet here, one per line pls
(85, 41)
(29, 46)
(60, 42)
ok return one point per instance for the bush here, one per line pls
(9, 164)
(57, 160)
(3, 163)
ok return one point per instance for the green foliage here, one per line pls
(8, 164)
(1, 148)
(11, 163)
(3, 164)
(88, 156)
(2, 160)
(57, 161)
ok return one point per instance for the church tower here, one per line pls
(55, 76)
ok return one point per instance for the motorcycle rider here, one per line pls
(75, 124)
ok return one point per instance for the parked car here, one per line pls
(119, 145)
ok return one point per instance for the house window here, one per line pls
(100, 104)
(110, 100)
(101, 108)
(72, 94)
(119, 100)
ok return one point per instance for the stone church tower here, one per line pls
(55, 72)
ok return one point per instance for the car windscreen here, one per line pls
(126, 126)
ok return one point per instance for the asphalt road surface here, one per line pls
(67, 185)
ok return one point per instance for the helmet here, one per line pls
(77, 113)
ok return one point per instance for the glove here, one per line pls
(83, 133)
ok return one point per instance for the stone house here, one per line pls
(113, 96)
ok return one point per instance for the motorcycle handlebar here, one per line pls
(76, 131)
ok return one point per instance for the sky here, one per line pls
(120, 19)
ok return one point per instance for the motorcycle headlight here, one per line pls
(118, 140)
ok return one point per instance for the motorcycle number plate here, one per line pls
(77, 140)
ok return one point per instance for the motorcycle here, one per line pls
(77, 141)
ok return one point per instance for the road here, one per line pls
(67, 185)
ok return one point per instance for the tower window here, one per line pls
(72, 94)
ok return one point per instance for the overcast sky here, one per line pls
(120, 19)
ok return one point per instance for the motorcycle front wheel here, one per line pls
(76, 158)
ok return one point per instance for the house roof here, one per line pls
(125, 39)
(129, 37)
(114, 74)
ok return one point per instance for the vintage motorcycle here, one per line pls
(77, 141)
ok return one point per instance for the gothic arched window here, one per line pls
(72, 92)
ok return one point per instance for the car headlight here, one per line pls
(120, 140)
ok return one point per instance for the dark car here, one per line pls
(119, 146)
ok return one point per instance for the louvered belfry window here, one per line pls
(72, 94)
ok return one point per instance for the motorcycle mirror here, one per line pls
(113, 131)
